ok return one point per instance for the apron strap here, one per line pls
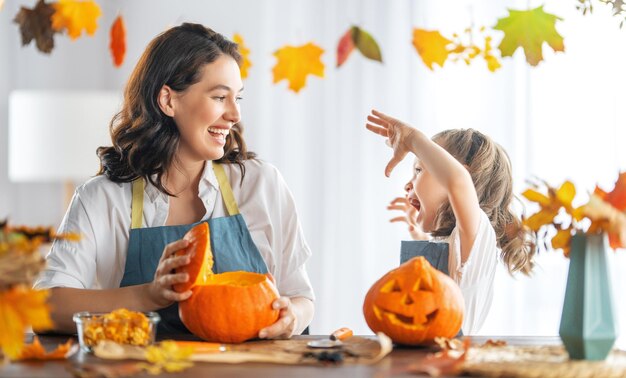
(136, 206)
(227, 191)
(136, 209)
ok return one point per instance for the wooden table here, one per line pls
(395, 364)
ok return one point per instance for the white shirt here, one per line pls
(476, 276)
(100, 212)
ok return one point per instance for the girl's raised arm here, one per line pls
(449, 172)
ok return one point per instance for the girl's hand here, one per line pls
(286, 323)
(398, 136)
(160, 290)
(410, 213)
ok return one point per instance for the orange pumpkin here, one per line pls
(414, 303)
(229, 307)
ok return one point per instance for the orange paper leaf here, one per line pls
(617, 197)
(431, 46)
(607, 218)
(21, 307)
(118, 41)
(74, 16)
(295, 63)
(344, 48)
(245, 55)
(35, 351)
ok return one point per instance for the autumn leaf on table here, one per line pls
(431, 46)
(118, 41)
(20, 307)
(296, 62)
(35, 351)
(167, 356)
(448, 362)
(35, 24)
(245, 55)
(529, 30)
(74, 16)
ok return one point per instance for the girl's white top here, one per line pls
(476, 276)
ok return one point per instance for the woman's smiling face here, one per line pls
(206, 111)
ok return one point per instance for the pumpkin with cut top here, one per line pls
(229, 307)
(414, 303)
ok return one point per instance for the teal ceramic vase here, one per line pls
(587, 324)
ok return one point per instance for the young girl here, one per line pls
(461, 191)
(178, 158)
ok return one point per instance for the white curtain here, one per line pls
(560, 119)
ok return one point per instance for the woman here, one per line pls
(178, 157)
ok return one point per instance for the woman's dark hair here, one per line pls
(144, 138)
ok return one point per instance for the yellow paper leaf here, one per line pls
(245, 55)
(21, 307)
(493, 63)
(541, 218)
(535, 196)
(431, 46)
(75, 15)
(566, 193)
(296, 62)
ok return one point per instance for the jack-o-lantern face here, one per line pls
(414, 303)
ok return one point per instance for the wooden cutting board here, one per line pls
(355, 350)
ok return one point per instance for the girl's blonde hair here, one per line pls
(490, 168)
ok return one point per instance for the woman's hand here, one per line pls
(410, 213)
(399, 136)
(286, 323)
(160, 290)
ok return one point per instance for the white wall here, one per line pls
(317, 138)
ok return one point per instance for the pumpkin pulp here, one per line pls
(200, 268)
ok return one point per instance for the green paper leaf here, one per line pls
(366, 44)
(529, 30)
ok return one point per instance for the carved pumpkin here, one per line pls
(414, 303)
(229, 307)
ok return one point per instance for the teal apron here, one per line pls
(437, 255)
(231, 243)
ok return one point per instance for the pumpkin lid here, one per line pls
(200, 268)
